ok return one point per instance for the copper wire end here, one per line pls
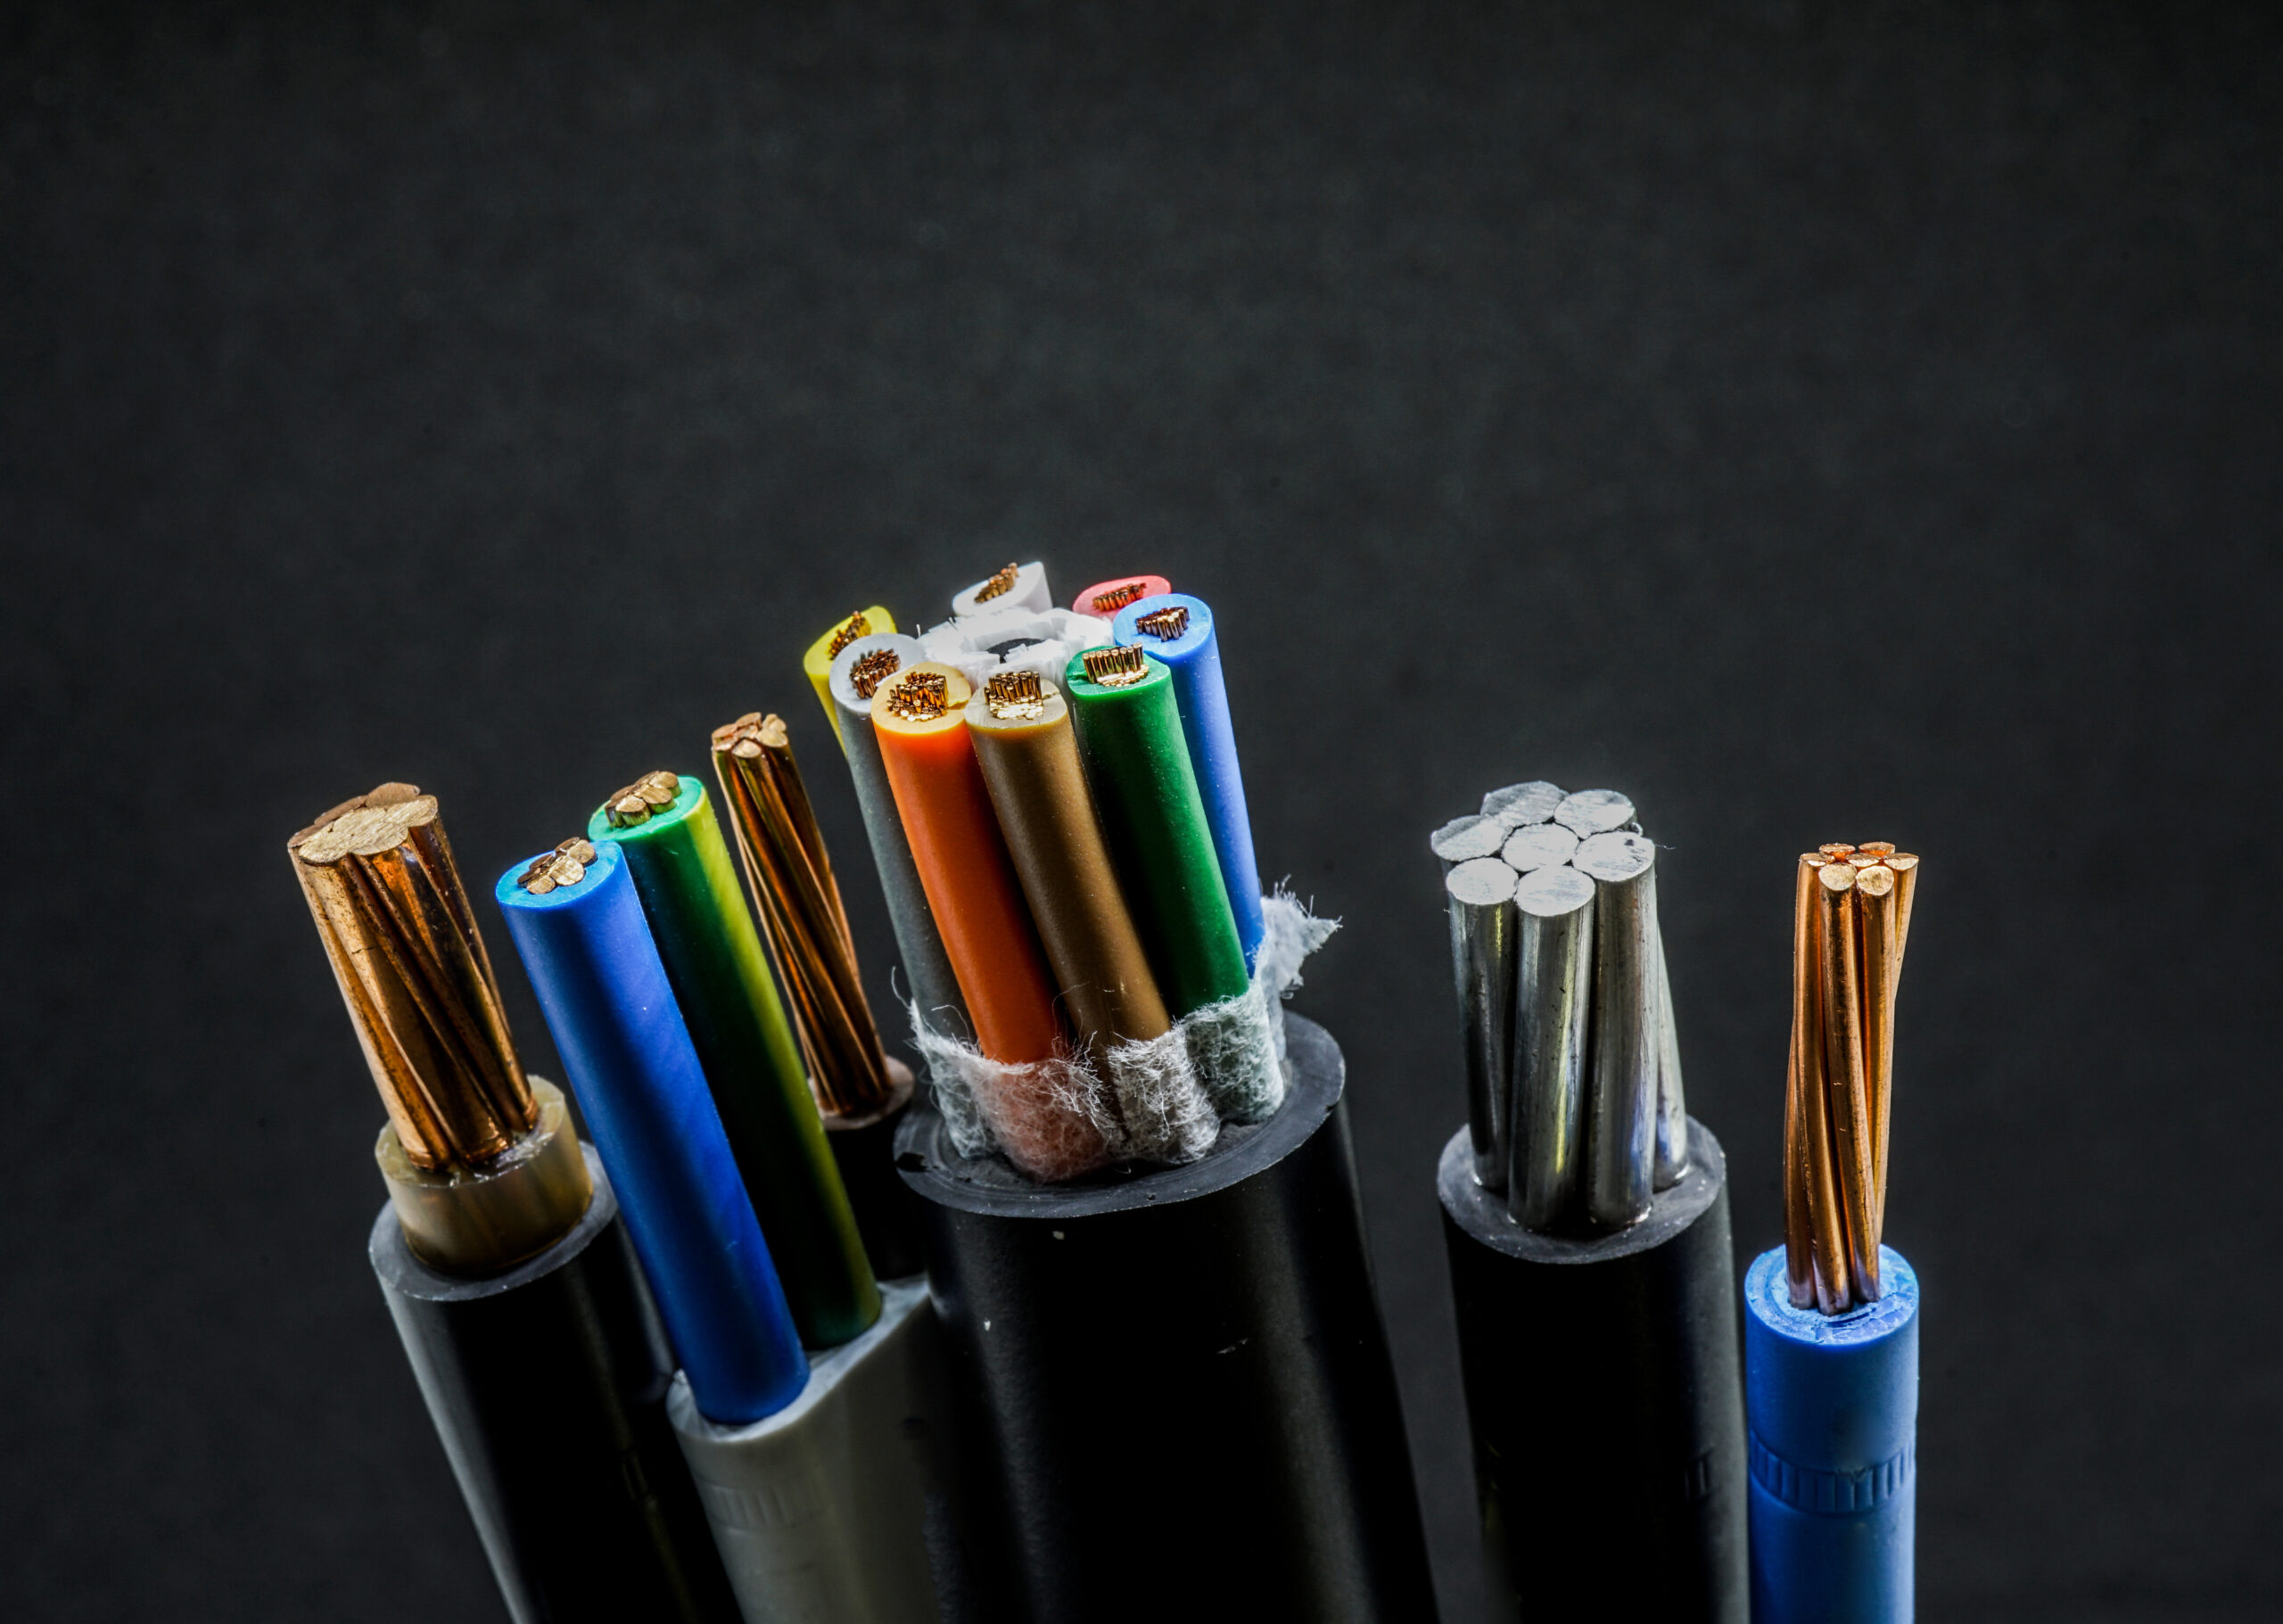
(1845, 1076)
(924, 696)
(999, 585)
(567, 865)
(1816, 1236)
(378, 875)
(1116, 667)
(1849, 919)
(870, 670)
(1015, 696)
(790, 875)
(1164, 625)
(1118, 596)
(651, 793)
(855, 626)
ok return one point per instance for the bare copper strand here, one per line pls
(851, 628)
(999, 585)
(1015, 696)
(1116, 667)
(1845, 1076)
(1820, 1248)
(922, 696)
(378, 875)
(1875, 898)
(1852, 918)
(791, 879)
(1164, 625)
(565, 865)
(870, 670)
(1118, 596)
(652, 792)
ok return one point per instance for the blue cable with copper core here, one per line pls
(1831, 1317)
(578, 927)
(1177, 630)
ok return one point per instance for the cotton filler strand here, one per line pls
(1574, 1097)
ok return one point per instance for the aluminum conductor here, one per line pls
(1594, 811)
(1672, 1104)
(1481, 898)
(1622, 1129)
(1538, 845)
(1464, 839)
(1553, 958)
(1520, 805)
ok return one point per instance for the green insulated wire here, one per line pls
(1138, 766)
(696, 912)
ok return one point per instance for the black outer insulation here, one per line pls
(1170, 1391)
(548, 1386)
(887, 1219)
(1605, 1393)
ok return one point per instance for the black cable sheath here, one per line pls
(547, 1387)
(1605, 1399)
(1171, 1391)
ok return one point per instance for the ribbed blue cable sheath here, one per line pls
(604, 991)
(1832, 1407)
(1194, 658)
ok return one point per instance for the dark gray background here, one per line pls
(1821, 421)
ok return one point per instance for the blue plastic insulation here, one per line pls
(1194, 658)
(1833, 1408)
(634, 1074)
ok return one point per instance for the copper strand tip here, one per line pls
(565, 865)
(790, 877)
(1852, 920)
(653, 792)
(1116, 667)
(924, 696)
(1164, 625)
(378, 875)
(851, 628)
(1118, 596)
(999, 585)
(1015, 696)
(870, 670)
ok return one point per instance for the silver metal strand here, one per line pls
(1621, 1106)
(1481, 897)
(1464, 839)
(1518, 806)
(1672, 1108)
(1554, 982)
(1539, 846)
(1594, 812)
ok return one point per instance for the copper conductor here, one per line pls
(378, 875)
(999, 585)
(1117, 597)
(1015, 696)
(922, 696)
(870, 670)
(750, 734)
(652, 792)
(565, 865)
(1164, 625)
(1116, 667)
(1850, 922)
(791, 879)
(851, 628)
